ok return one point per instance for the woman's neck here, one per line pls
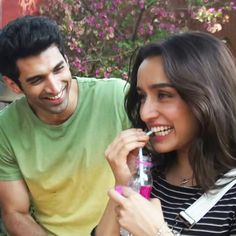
(180, 173)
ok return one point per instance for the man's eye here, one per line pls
(36, 80)
(58, 69)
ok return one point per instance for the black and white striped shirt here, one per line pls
(220, 220)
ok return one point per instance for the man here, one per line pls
(52, 140)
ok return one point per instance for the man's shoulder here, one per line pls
(104, 81)
(13, 109)
(105, 87)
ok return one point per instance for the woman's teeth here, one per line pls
(162, 130)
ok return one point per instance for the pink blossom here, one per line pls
(110, 30)
(106, 74)
(97, 72)
(212, 9)
(141, 30)
(90, 20)
(78, 50)
(116, 2)
(101, 35)
(141, 4)
(98, 5)
(98, 26)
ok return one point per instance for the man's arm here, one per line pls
(14, 201)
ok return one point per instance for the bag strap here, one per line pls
(203, 204)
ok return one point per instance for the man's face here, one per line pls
(46, 82)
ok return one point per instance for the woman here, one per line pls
(184, 90)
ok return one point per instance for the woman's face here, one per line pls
(163, 110)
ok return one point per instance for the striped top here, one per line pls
(220, 220)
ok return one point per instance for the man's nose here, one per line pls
(53, 85)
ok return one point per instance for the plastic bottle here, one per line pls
(142, 180)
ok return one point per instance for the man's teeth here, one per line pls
(162, 130)
(57, 96)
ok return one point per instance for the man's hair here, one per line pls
(202, 70)
(26, 36)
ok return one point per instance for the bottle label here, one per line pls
(144, 163)
(145, 191)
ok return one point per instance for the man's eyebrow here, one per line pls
(158, 85)
(31, 79)
(59, 64)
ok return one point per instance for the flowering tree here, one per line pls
(101, 35)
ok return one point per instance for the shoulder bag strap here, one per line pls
(203, 204)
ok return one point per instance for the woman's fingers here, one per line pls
(120, 154)
(120, 193)
(127, 136)
(125, 142)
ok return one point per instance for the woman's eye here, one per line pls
(162, 95)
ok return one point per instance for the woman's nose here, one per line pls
(149, 111)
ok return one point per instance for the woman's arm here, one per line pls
(121, 155)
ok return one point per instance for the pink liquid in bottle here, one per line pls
(145, 191)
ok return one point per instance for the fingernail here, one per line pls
(119, 189)
(149, 132)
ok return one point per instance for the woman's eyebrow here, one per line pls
(158, 85)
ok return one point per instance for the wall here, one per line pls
(11, 9)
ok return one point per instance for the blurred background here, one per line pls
(101, 35)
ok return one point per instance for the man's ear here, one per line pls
(12, 85)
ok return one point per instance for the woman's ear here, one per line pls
(12, 85)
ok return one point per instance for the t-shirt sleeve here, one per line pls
(123, 89)
(9, 169)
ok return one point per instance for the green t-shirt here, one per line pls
(64, 165)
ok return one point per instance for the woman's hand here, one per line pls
(121, 153)
(136, 214)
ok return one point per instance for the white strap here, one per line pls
(202, 205)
